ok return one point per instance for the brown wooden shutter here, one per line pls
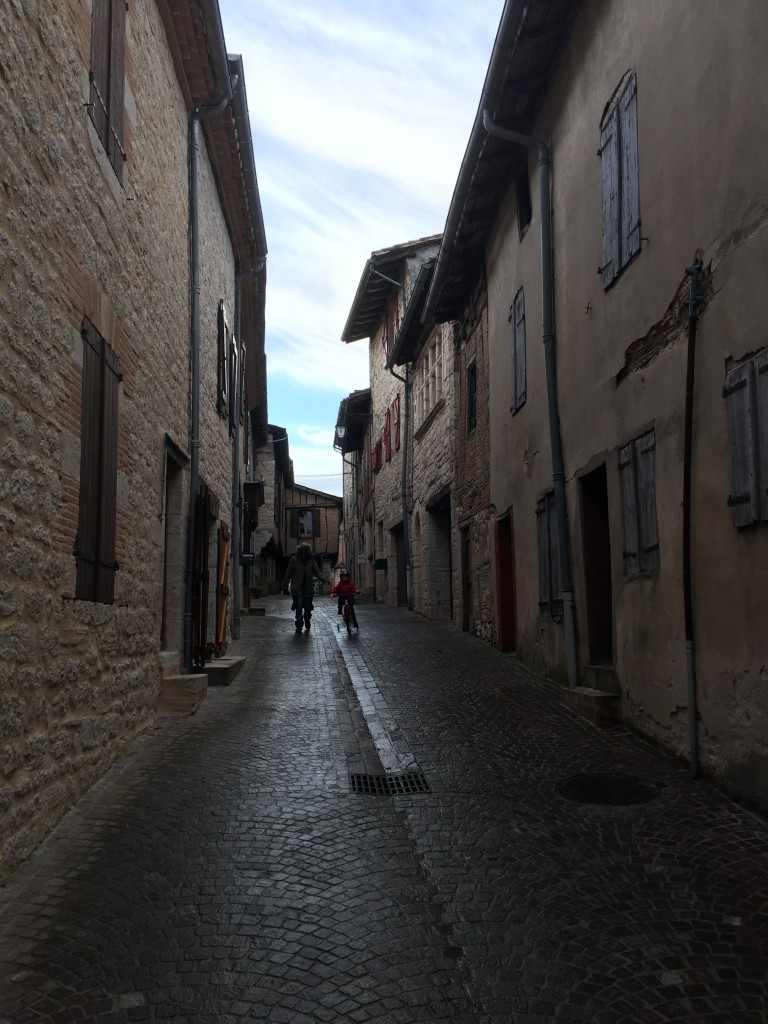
(95, 550)
(315, 522)
(294, 520)
(99, 76)
(115, 148)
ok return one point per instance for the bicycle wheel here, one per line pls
(348, 618)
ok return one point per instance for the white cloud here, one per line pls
(360, 115)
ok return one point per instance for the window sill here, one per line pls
(429, 419)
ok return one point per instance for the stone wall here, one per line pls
(80, 680)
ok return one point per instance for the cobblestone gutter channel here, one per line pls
(225, 871)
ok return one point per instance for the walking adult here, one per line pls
(298, 581)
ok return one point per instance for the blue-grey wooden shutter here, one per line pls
(519, 350)
(629, 509)
(761, 404)
(630, 180)
(609, 154)
(738, 392)
(648, 532)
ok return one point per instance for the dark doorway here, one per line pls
(596, 543)
(506, 586)
(402, 582)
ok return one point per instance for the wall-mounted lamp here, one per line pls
(340, 431)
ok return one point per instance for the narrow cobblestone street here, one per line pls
(227, 870)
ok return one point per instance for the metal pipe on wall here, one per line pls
(548, 337)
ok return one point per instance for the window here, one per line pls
(306, 523)
(621, 195)
(746, 394)
(429, 379)
(97, 516)
(222, 363)
(550, 588)
(107, 78)
(396, 416)
(637, 470)
(517, 350)
(388, 435)
(471, 396)
(523, 194)
(376, 457)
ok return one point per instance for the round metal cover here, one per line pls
(608, 788)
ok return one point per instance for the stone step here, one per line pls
(597, 706)
(222, 671)
(257, 610)
(601, 677)
(182, 694)
(170, 662)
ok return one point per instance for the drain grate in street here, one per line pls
(608, 788)
(389, 785)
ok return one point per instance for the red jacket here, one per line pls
(345, 588)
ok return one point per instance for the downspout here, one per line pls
(404, 480)
(194, 444)
(548, 334)
(693, 317)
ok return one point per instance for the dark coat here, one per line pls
(302, 569)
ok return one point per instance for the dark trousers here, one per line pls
(302, 606)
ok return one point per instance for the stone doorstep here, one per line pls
(597, 706)
(169, 663)
(222, 671)
(182, 694)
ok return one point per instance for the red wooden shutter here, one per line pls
(396, 409)
(115, 148)
(388, 435)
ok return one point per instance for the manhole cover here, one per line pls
(389, 785)
(608, 788)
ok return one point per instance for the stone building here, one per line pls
(131, 294)
(386, 284)
(613, 209)
(352, 439)
(272, 473)
(312, 517)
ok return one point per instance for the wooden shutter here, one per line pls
(739, 396)
(761, 404)
(542, 533)
(518, 350)
(396, 408)
(609, 154)
(629, 509)
(99, 76)
(95, 549)
(648, 533)
(222, 584)
(234, 404)
(630, 181)
(294, 521)
(115, 148)
(315, 522)
(388, 435)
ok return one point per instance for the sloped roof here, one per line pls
(525, 56)
(374, 290)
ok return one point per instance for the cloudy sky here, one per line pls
(360, 114)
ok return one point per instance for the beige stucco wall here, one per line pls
(80, 680)
(701, 88)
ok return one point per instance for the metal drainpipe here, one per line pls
(404, 481)
(693, 316)
(548, 334)
(194, 443)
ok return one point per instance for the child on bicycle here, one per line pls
(345, 589)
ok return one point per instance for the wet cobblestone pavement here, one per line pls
(225, 870)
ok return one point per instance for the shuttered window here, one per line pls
(550, 588)
(637, 471)
(746, 394)
(621, 189)
(471, 396)
(388, 436)
(95, 544)
(517, 350)
(107, 77)
(222, 371)
(396, 415)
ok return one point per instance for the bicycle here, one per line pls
(348, 615)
